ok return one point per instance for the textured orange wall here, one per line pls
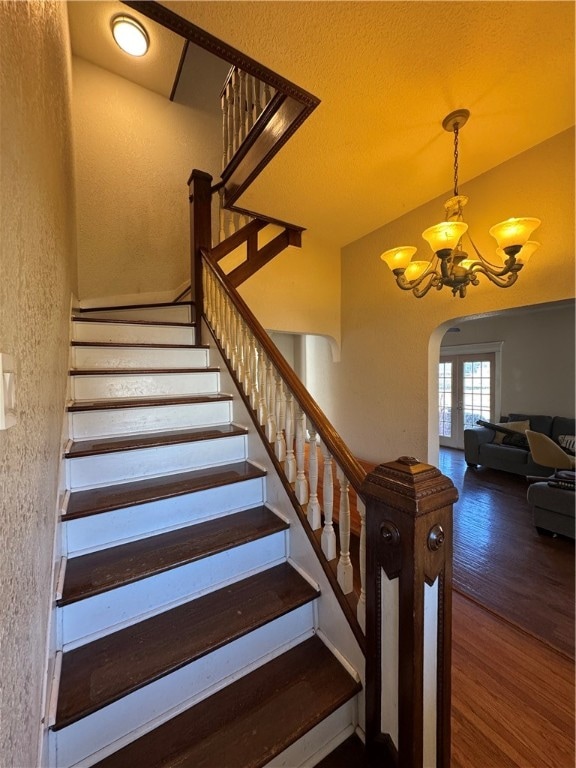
(37, 269)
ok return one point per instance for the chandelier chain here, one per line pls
(455, 159)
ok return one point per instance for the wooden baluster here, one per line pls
(254, 394)
(301, 488)
(222, 216)
(290, 463)
(230, 100)
(247, 381)
(267, 95)
(361, 607)
(280, 442)
(234, 340)
(243, 102)
(249, 102)
(236, 116)
(262, 378)
(240, 350)
(271, 404)
(313, 511)
(225, 157)
(257, 98)
(328, 540)
(344, 571)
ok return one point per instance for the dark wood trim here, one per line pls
(339, 450)
(200, 237)
(186, 290)
(179, 70)
(267, 219)
(281, 118)
(237, 238)
(130, 344)
(258, 258)
(316, 546)
(189, 31)
(159, 304)
(119, 321)
(108, 403)
(409, 537)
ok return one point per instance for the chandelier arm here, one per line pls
(511, 266)
(434, 282)
(506, 282)
(495, 270)
(409, 285)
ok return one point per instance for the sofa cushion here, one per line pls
(503, 456)
(537, 423)
(562, 426)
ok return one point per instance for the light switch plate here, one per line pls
(7, 391)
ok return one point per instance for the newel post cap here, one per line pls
(410, 486)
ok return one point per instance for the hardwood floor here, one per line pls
(512, 695)
(512, 699)
(502, 562)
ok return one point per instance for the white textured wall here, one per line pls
(537, 357)
(135, 151)
(37, 269)
(387, 375)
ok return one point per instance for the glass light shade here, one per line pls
(130, 36)
(514, 231)
(444, 235)
(398, 258)
(467, 263)
(527, 251)
(415, 269)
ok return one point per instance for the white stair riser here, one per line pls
(178, 690)
(176, 313)
(311, 748)
(120, 421)
(122, 332)
(108, 468)
(143, 385)
(99, 615)
(137, 357)
(93, 532)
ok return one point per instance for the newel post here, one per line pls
(200, 186)
(408, 613)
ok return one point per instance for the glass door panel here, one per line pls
(465, 394)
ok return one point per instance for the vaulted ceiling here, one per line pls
(387, 73)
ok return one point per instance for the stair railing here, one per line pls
(290, 420)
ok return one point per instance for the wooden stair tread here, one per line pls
(121, 307)
(138, 371)
(151, 440)
(78, 319)
(248, 723)
(107, 498)
(139, 344)
(106, 569)
(101, 672)
(144, 402)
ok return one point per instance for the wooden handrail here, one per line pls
(327, 432)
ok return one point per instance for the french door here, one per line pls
(466, 393)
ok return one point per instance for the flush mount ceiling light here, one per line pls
(450, 265)
(130, 35)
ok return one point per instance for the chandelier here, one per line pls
(450, 264)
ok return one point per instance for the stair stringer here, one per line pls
(331, 622)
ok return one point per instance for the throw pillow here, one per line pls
(568, 443)
(515, 426)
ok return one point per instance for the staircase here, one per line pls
(195, 626)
